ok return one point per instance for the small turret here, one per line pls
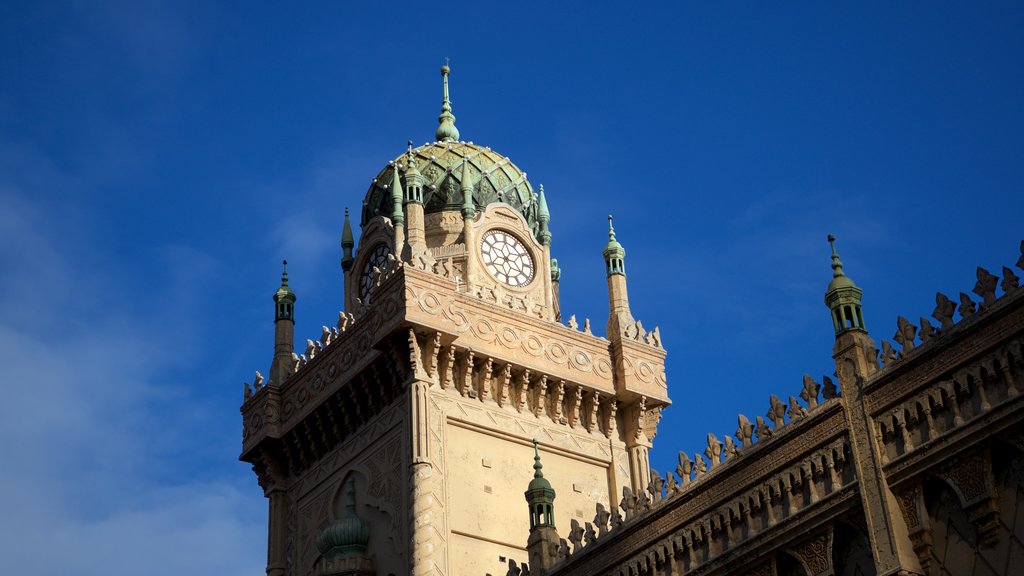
(413, 179)
(843, 297)
(347, 243)
(854, 352)
(446, 131)
(542, 545)
(620, 318)
(614, 253)
(284, 330)
(415, 231)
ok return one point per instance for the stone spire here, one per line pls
(843, 297)
(446, 131)
(347, 243)
(544, 217)
(284, 330)
(542, 546)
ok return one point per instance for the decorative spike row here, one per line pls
(967, 307)
(830, 390)
(905, 334)
(777, 412)
(888, 354)
(986, 287)
(745, 432)
(927, 330)
(944, 310)
(809, 393)
(795, 409)
(1010, 282)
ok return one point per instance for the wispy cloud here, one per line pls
(92, 483)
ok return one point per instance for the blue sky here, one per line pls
(159, 159)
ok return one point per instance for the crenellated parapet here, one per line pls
(950, 313)
(711, 512)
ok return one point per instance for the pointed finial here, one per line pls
(410, 160)
(397, 216)
(284, 272)
(536, 460)
(837, 266)
(347, 243)
(611, 229)
(543, 217)
(446, 131)
(350, 497)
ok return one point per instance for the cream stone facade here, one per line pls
(400, 441)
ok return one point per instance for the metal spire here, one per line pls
(446, 131)
(536, 460)
(837, 266)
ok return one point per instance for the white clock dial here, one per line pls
(506, 258)
(378, 257)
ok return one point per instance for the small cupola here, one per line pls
(284, 298)
(540, 495)
(614, 253)
(843, 297)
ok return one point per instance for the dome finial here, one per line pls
(284, 272)
(536, 460)
(837, 266)
(446, 131)
(347, 243)
(543, 217)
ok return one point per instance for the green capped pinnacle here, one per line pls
(468, 209)
(843, 297)
(614, 253)
(347, 243)
(446, 131)
(397, 216)
(544, 217)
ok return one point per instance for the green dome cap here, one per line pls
(348, 535)
(442, 168)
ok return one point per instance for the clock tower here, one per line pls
(401, 440)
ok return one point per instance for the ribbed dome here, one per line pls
(348, 535)
(494, 179)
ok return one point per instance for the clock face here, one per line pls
(378, 257)
(506, 258)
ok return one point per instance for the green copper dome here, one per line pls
(348, 535)
(442, 167)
